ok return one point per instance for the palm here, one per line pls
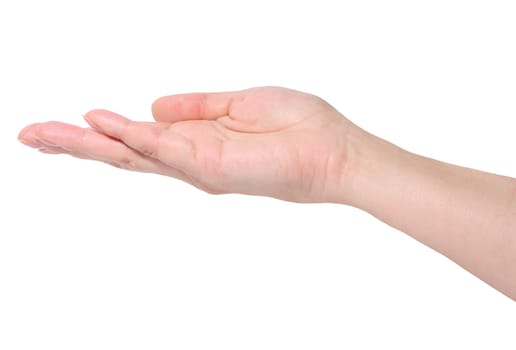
(268, 141)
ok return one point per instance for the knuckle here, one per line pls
(125, 164)
(128, 164)
(201, 106)
(195, 105)
(148, 152)
(152, 146)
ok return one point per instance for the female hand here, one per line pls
(294, 146)
(264, 141)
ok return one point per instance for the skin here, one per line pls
(294, 146)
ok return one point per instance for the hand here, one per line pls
(294, 146)
(263, 141)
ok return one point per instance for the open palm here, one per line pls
(265, 141)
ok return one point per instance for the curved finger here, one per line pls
(57, 137)
(193, 106)
(154, 142)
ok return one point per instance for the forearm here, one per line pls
(465, 214)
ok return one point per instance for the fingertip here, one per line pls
(24, 132)
(89, 116)
(26, 135)
(96, 113)
(159, 108)
(101, 119)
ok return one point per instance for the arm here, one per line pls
(465, 214)
(294, 146)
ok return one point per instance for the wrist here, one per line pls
(373, 166)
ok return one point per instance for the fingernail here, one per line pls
(47, 151)
(26, 136)
(46, 142)
(90, 121)
(28, 143)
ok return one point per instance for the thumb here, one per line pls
(192, 106)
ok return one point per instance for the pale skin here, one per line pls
(294, 146)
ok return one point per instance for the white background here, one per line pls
(92, 257)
